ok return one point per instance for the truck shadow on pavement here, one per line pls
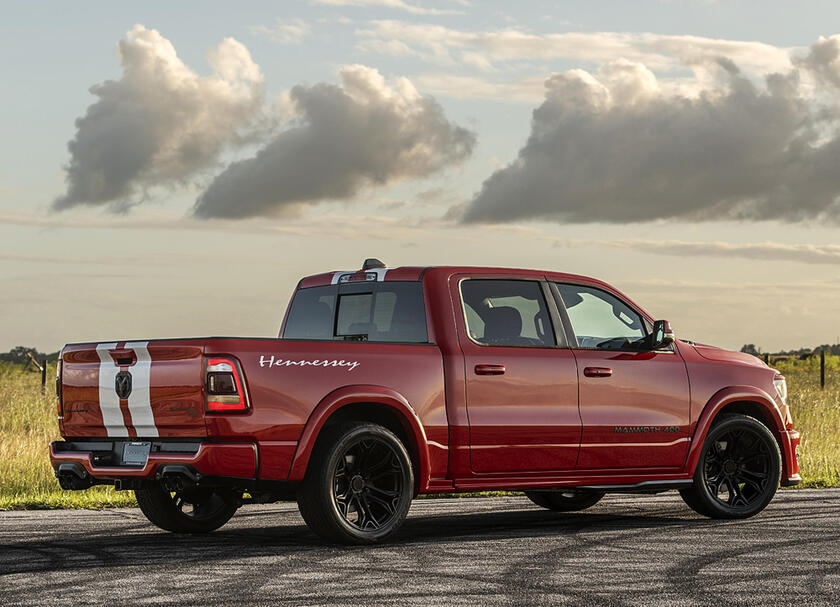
(140, 544)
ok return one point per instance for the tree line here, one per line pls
(800, 353)
(20, 355)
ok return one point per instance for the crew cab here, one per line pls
(386, 383)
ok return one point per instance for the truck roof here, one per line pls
(413, 273)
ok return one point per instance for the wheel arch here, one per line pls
(375, 404)
(745, 400)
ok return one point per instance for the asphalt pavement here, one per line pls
(626, 550)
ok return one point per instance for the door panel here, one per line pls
(522, 395)
(634, 403)
(526, 419)
(636, 417)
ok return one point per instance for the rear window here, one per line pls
(507, 312)
(369, 311)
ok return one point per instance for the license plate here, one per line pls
(136, 454)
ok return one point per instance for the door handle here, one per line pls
(489, 369)
(597, 371)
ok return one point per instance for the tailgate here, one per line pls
(145, 389)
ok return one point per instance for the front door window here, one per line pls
(600, 320)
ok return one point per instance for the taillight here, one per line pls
(58, 366)
(224, 387)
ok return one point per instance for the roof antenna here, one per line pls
(372, 263)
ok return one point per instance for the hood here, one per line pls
(728, 356)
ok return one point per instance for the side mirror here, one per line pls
(662, 335)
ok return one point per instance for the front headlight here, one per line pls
(781, 387)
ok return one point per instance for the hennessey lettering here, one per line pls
(279, 362)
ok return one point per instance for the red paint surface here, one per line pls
(644, 390)
(545, 421)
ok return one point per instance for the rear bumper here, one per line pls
(790, 453)
(238, 460)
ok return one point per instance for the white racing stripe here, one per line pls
(109, 402)
(139, 402)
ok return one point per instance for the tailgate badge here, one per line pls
(122, 384)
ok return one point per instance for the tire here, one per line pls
(194, 511)
(565, 501)
(358, 485)
(738, 472)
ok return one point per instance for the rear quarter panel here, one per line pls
(284, 391)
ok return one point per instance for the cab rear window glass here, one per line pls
(368, 311)
(311, 314)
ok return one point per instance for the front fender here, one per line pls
(366, 394)
(727, 396)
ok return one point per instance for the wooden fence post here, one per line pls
(822, 369)
(44, 377)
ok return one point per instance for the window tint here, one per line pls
(354, 314)
(507, 313)
(367, 311)
(600, 320)
(311, 314)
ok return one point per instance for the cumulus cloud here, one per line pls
(823, 60)
(160, 122)
(344, 137)
(763, 251)
(615, 146)
(448, 46)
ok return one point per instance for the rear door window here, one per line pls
(506, 313)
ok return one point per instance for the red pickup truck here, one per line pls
(387, 383)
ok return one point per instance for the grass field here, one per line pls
(816, 414)
(28, 424)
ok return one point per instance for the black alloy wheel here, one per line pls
(359, 484)
(368, 483)
(738, 472)
(187, 511)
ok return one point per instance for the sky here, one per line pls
(172, 170)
